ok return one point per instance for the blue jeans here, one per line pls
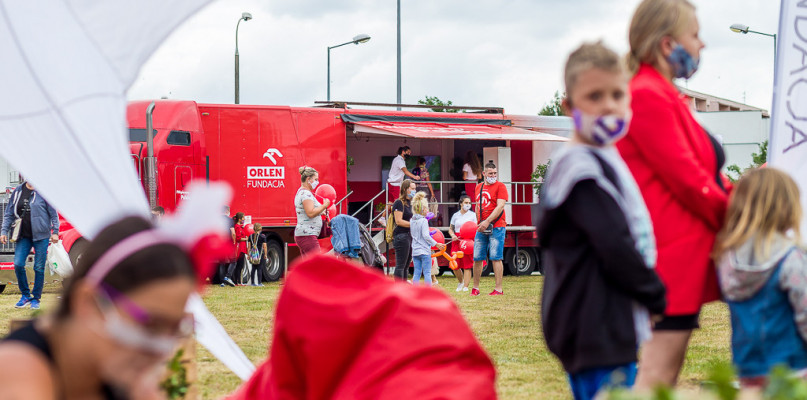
(21, 251)
(423, 265)
(489, 246)
(586, 384)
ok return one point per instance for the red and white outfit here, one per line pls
(395, 178)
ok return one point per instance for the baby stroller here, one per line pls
(351, 239)
(370, 254)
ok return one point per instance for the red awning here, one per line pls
(431, 130)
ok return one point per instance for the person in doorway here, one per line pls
(398, 172)
(258, 241)
(460, 217)
(491, 195)
(423, 173)
(240, 249)
(36, 221)
(422, 241)
(597, 236)
(309, 209)
(471, 172)
(401, 238)
(676, 163)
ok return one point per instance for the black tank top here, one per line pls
(30, 336)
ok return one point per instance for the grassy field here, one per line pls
(507, 326)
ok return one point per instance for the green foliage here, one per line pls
(349, 161)
(538, 176)
(784, 385)
(553, 108)
(176, 384)
(435, 101)
(734, 172)
(722, 378)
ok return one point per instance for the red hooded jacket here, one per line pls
(343, 331)
(674, 163)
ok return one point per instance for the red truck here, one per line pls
(258, 150)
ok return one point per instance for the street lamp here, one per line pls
(245, 16)
(360, 38)
(740, 28)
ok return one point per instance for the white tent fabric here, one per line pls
(788, 141)
(65, 66)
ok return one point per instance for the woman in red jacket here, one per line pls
(677, 166)
(240, 249)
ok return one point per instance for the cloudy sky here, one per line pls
(507, 53)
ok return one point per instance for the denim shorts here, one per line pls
(489, 246)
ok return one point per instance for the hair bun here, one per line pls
(302, 169)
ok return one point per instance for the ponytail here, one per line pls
(419, 203)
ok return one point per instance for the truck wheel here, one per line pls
(244, 274)
(521, 262)
(77, 249)
(273, 267)
(487, 269)
(2, 288)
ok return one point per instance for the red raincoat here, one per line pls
(674, 163)
(345, 332)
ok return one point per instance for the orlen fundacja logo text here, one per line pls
(267, 176)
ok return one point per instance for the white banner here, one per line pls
(788, 143)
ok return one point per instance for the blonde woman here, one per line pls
(676, 164)
(309, 209)
(422, 242)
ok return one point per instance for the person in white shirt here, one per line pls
(398, 172)
(457, 220)
(471, 172)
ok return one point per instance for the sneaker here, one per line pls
(24, 302)
(474, 292)
(34, 304)
(229, 282)
(459, 287)
(222, 285)
(465, 289)
(496, 293)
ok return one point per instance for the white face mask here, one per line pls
(314, 184)
(466, 207)
(490, 180)
(603, 130)
(133, 336)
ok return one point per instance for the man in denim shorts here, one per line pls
(490, 197)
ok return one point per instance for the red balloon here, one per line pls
(250, 229)
(327, 191)
(468, 230)
(332, 211)
(319, 198)
(437, 235)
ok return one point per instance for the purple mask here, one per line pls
(603, 130)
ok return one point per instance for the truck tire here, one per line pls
(2, 288)
(273, 267)
(76, 250)
(521, 262)
(487, 269)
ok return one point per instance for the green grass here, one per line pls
(507, 326)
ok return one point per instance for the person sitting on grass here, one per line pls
(422, 242)
(597, 236)
(762, 272)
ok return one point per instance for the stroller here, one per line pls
(345, 230)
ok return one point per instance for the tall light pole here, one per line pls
(398, 92)
(740, 28)
(360, 38)
(245, 16)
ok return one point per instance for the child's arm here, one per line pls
(598, 215)
(793, 280)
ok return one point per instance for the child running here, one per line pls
(422, 242)
(596, 235)
(763, 275)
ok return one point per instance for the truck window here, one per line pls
(139, 135)
(179, 138)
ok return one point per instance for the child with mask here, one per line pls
(596, 234)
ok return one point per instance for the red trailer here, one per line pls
(258, 150)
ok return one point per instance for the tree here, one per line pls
(553, 108)
(435, 101)
(734, 172)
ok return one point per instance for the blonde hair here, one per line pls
(306, 172)
(404, 187)
(653, 21)
(590, 56)
(764, 203)
(419, 204)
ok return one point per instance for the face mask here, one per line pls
(683, 64)
(466, 207)
(133, 336)
(603, 130)
(410, 195)
(406, 156)
(314, 184)
(490, 180)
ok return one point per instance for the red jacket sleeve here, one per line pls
(660, 140)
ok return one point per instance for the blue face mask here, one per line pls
(684, 65)
(410, 195)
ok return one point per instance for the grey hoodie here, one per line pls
(421, 240)
(742, 273)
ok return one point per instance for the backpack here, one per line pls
(390, 226)
(254, 255)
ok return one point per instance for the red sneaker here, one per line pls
(474, 292)
(496, 293)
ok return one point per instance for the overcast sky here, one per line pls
(507, 53)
